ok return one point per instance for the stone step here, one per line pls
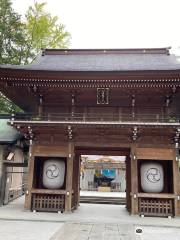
(103, 200)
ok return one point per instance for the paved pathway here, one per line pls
(91, 213)
(89, 222)
(87, 231)
(35, 230)
(158, 233)
(28, 230)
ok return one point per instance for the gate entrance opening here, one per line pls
(102, 172)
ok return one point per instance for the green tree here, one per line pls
(43, 31)
(6, 106)
(21, 42)
(12, 40)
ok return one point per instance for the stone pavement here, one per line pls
(90, 231)
(158, 233)
(89, 222)
(34, 230)
(27, 230)
(88, 213)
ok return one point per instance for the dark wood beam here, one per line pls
(15, 164)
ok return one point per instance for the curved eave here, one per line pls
(6, 73)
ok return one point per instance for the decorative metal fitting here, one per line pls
(134, 136)
(70, 132)
(167, 100)
(134, 195)
(12, 117)
(177, 137)
(40, 99)
(73, 99)
(133, 100)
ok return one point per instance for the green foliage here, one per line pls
(11, 34)
(6, 106)
(21, 42)
(43, 31)
(12, 42)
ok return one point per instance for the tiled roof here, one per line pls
(103, 60)
(7, 133)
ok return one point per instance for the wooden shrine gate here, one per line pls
(138, 201)
(65, 199)
(77, 100)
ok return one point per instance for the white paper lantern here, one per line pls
(53, 173)
(152, 177)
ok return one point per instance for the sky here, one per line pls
(116, 23)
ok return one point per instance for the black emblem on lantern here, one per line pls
(153, 175)
(52, 171)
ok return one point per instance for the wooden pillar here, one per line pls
(69, 178)
(76, 178)
(134, 180)
(28, 196)
(128, 183)
(176, 182)
(79, 174)
(2, 175)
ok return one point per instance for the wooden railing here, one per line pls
(16, 192)
(80, 117)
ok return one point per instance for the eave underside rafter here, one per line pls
(36, 84)
(66, 77)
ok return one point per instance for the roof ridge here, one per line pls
(106, 51)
